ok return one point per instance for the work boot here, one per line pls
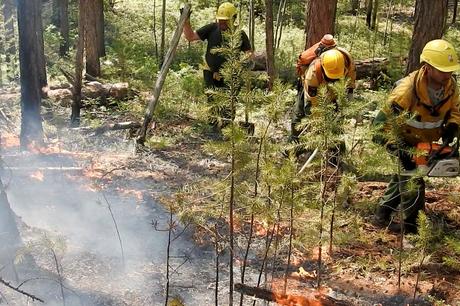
(409, 228)
(380, 221)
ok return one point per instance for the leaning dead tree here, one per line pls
(153, 101)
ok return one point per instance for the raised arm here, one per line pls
(189, 34)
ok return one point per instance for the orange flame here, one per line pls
(38, 175)
(131, 192)
(9, 140)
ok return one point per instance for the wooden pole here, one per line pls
(162, 76)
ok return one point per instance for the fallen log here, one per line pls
(371, 67)
(365, 68)
(116, 127)
(91, 90)
(109, 127)
(314, 298)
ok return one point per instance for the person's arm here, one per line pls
(189, 34)
(451, 129)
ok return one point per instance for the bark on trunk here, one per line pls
(455, 9)
(430, 21)
(369, 7)
(41, 44)
(354, 4)
(251, 23)
(29, 53)
(375, 10)
(321, 20)
(93, 66)
(100, 31)
(163, 31)
(269, 42)
(64, 26)
(77, 84)
(8, 23)
(10, 240)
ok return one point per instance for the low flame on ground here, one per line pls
(93, 173)
(53, 148)
(38, 175)
(9, 140)
(297, 295)
(138, 194)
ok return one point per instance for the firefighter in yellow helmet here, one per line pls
(330, 65)
(428, 100)
(225, 18)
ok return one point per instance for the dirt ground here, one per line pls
(185, 162)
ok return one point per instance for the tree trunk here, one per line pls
(155, 40)
(430, 22)
(93, 65)
(163, 31)
(8, 23)
(76, 98)
(269, 42)
(29, 59)
(10, 240)
(251, 23)
(375, 10)
(64, 26)
(354, 4)
(10, 41)
(152, 103)
(41, 45)
(321, 20)
(455, 9)
(369, 7)
(100, 31)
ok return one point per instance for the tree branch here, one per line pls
(33, 297)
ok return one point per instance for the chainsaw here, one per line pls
(435, 160)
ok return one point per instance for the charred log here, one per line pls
(313, 299)
(110, 127)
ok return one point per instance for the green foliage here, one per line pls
(452, 259)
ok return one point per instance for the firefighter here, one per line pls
(327, 67)
(213, 32)
(427, 99)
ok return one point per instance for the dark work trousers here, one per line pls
(403, 193)
(220, 115)
(300, 111)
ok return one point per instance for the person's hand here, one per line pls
(449, 133)
(405, 157)
(181, 10)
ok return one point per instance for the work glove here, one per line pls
(405, 157)
(449, 133)
(181, 10)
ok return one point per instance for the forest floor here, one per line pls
(111, 162)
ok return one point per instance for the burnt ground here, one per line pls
(61, 194)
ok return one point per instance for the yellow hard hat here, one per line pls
(441, 55)
(226, 11)
(333, 63)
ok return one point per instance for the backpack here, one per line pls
(309, 55)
